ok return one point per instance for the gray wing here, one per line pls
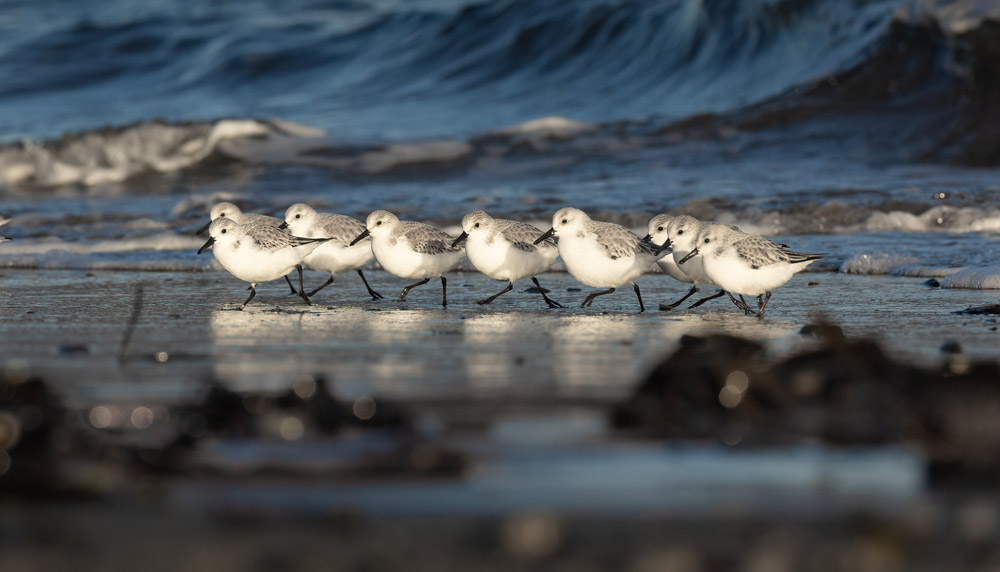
(620, 241)
(273, 238)
(254, 218)
(340, 229)
(426, 239)
(759, 252)
(523, 235)
(268, 237)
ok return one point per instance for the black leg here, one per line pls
(253, 292)
(590, 299)
(302, 289)
(324, 285)
(767, 298)
(746, 307)
(741, 306)
(375, 295)
(552, 303)
(681, 301)
(712, 297)
(639, 296)
(444, 291)
(402, 295)
(287, 279)
(510, 286)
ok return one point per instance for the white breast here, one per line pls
(589, 263)
(256, 265)
(401, 260)
(501, 260)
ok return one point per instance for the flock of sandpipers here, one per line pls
(258, 248)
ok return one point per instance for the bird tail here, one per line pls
(300, 241)
(798, 257)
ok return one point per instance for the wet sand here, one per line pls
(520, 390)
(69, 326)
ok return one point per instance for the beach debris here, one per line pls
(846, 392)
(993, 309)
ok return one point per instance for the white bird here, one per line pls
(746, 264)
(656, 232)
(599, 254)
(505, 250)
(410, 249)
(258, 252)
(334, 256)
(232, 212)
(679, 235)
(4, 220)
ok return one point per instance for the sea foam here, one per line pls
(984, 278)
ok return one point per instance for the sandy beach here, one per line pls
(520, 392)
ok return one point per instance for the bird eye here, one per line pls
(659, 229)
(298, 216)
(477, 225)
(564, 221)
(222, 215)
(378, 223)
(679, 232)
(223, 231)
(707, 240)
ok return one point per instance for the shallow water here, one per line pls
(68, 326)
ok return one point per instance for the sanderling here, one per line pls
(4, 220)
(599, 254)
(411, 249)
(746, 264)
(680, 234)
(336, 255)
(258, 252)
(657, 233)
(505, 250)
(233, 213)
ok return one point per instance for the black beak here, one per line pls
(204, 228)
(647, 238)
(283, 226)
(360, 236)
(460, 238)
(208, 244)
(547, 234)
(664, 246)
(691, 254)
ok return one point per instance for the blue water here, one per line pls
(121, 123)
(405, 70)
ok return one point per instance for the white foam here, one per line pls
(983, 278)
(918, 271)
(59, 260)
(554, 127)
(876, 263)
(115, 154)
(157, 242)
(393, 156)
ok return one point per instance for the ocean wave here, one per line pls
(422, 70)
(114, 154)
(839, 217)
(912, 77)
(984, 278)
(502, 80)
